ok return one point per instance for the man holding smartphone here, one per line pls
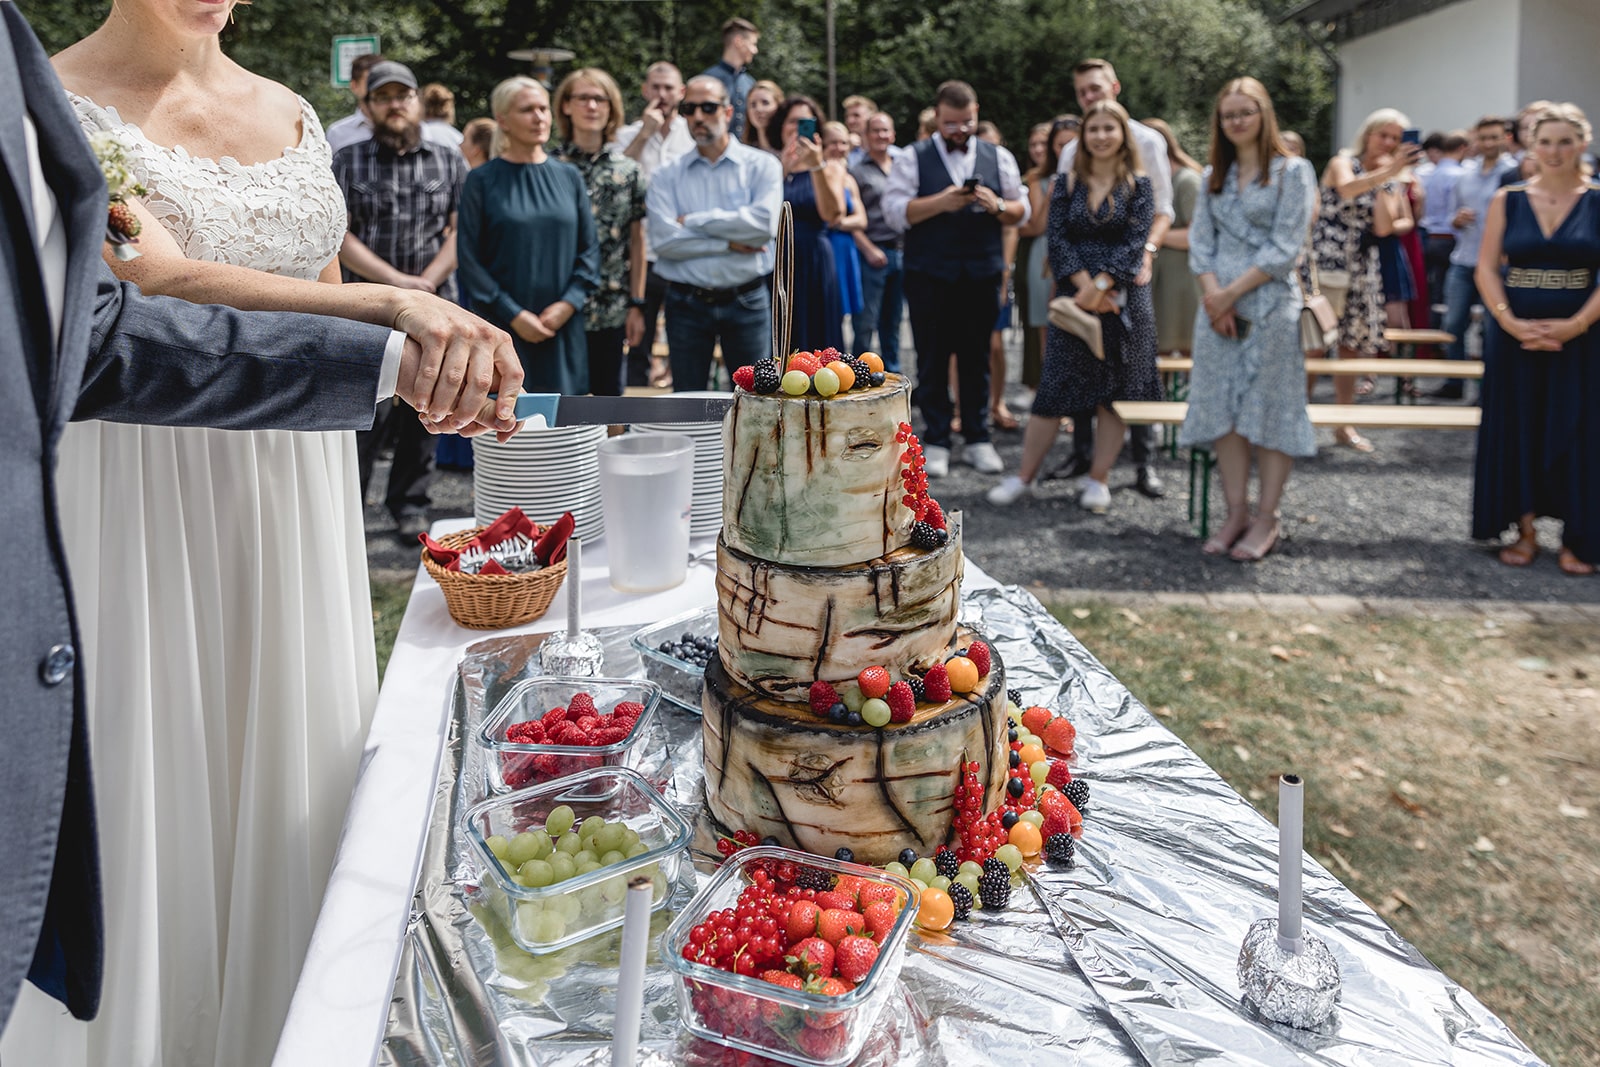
(950, 195)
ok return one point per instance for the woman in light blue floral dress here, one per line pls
(1247, 389)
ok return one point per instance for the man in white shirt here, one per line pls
(660, 136)
(951, 195)
(1094, 80)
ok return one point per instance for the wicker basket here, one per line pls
(494, 601)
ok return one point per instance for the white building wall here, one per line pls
(1446, 68)
(1559, 53)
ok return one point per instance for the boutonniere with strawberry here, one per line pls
(122, 225)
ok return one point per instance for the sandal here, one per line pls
(1244, 552)
(1365, 385)
(1352, 440)
(1571, 564)
(1002, 419)
(1220, 542)
(1521, 552)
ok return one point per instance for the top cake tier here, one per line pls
(813, 481)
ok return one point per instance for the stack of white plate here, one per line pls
(705, 518)
(543, 472)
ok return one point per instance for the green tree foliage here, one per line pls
(1171, 55)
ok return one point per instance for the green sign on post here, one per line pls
(345, 50)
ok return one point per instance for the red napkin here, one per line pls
(511, 523)
(448, 558)
(492, 566)
(552, 544)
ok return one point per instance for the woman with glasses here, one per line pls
(815, 193)
(588, 107)
(1247, 390)
(529, 256)
(1539, 441)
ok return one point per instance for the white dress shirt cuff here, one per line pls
(390, 372)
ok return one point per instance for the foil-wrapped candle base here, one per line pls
(578, 655)
(1299, 989)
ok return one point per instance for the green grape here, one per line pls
(1034, 817)
(970, 880)
(875, 713)
(528, 912)
(591, 902)
(536, 873)
(1039, 770)
(560, 820)
(563, 865)
(611, 837)
(630, 837)
(924, 871)
(1010, 855)
(566, 905)
(896, 867)
(521, 849)
(851, 695)
(968, 867)
(919, 883)
(569, 844)
(940, 883)
(591, 826)
(614, 889)
(545, 846)
(638, 848)
(611, 857)
(549, 927)
(587, 855)
(585, 866)
(498, 845)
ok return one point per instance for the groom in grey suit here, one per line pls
(76, 344)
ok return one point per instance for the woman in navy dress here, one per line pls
(1539, 441)
(1100, 213)
(527, 249)
(815, 193)
(842, 234)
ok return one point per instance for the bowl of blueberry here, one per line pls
(675, 653)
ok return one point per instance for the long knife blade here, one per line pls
(558, 410)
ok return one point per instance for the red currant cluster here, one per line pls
(979, 836)
(1020, 794)
(915, 477)
(746, 939)
(740, 839)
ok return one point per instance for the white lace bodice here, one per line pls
(284, 216)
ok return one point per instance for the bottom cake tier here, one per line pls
(777, 769)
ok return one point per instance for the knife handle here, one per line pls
(531, 404)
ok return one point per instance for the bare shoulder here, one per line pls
(82, 68)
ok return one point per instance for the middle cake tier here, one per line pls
(782, 627)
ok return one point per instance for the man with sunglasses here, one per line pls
(951, 195)
(402, 192)
(713, 217)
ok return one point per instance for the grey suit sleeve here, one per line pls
(164, 361)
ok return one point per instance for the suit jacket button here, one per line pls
(57, 665)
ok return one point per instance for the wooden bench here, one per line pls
(1369, 416)
(1405, 368)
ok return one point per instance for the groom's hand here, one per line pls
(451, 362)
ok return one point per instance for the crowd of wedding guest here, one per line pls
(580, 232)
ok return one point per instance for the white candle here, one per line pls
(574, 585)
(630, 972)
(1291, 816)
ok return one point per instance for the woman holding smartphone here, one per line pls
(1247, 390)
(815, 193)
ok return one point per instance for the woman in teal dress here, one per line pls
(526, 245)
(1247, 389)
(815, 194)
(1539, 441)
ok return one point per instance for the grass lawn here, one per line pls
(389, 597)
(1453, 772)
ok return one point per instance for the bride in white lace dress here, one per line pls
(221, 580)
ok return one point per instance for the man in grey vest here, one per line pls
(951, 194)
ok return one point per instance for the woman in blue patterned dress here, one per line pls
(1539, 442)
(1099, 216)
(1247, 389)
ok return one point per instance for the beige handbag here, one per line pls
(1065, 314)
(1319, 322)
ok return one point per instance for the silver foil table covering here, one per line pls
(1129, 957)
(1298, 989)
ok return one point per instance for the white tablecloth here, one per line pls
(341, 1004)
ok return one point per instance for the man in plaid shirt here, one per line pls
(401, 192)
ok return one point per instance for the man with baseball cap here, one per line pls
(357, 126)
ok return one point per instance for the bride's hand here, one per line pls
(451, 362)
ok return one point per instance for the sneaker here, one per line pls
(1009, 491)
(1096, 496)
(1150, 485)
(983, 458)
(935, 461)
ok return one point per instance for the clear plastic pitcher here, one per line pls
(646, 490)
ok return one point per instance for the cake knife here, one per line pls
(547, 410)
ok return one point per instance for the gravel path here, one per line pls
(1391, 524)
